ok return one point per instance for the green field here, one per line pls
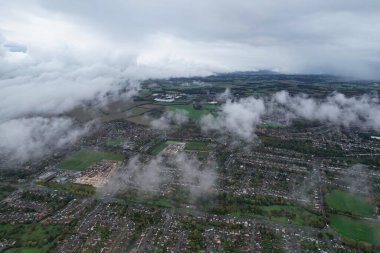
(85, 157)
(260, 206)
(193, 113)
(348, 202)
(175, 199)
(77, 189)
(356, 229)
(284, 214)
(198, 146)
(31, 238)
(161, 146)
(114, 142)
(291, 214)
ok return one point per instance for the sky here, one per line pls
(67, 52)
(171, 37)
(56, 55)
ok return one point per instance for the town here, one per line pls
(149, 178)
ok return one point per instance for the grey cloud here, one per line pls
(149, 176)
(146, 176)
(57, 91)
(200, 178)
(180, 38)
(177, 117)
(34, 87)
(14, 47)
(80, 50)
(32, 91)
(32, 138)
(362, 111)
(237, 118)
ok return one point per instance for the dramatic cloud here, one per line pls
(237, 118)
(148, 177)
(57, 91)
(32, 138)
(199, 37)
(177, 117)
(56, 55)
(363, 111)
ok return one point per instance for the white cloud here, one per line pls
(240, 118)
(32, 138)
(362, 111)
(182, 38)
(237, 118)
(76, 51)
(149, 176)
(177, 117)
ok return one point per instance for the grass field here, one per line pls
(344, 201)
(85, 157)
(292, 214)
(278, 213)
(356, 229)
(198, 146)
(284, 214)
(193, 113)
(161, 146)
(31, 238)
(77, 189)
(114, 142)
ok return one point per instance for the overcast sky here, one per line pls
(56, 55)
(189, 36)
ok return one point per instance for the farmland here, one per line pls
(356, 229)
(198, 146)
(86, 157)
(195, 114)
(344, 201)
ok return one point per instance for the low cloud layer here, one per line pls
(32, 138)
(148, 177)
(362, 111)
(56, 55)
(177, 117)
(199, 177)
(238, 118)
